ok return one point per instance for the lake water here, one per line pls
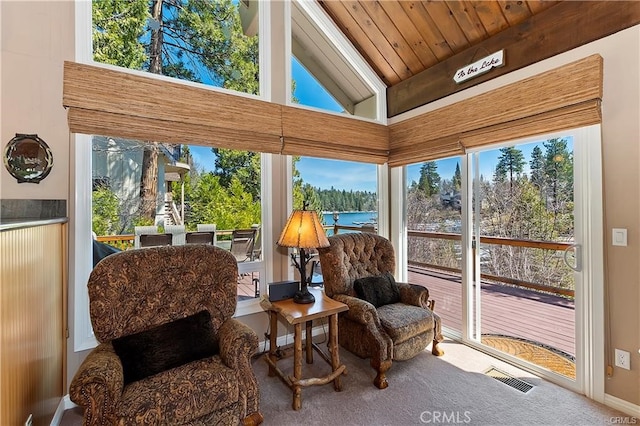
(349, 218)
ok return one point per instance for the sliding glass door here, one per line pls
(527, 220)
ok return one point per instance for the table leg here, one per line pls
(273, 335)
(334, 350)
(308, 337)
(297, 366)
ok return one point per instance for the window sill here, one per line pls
(248, 307)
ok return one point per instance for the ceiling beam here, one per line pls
(560, 28)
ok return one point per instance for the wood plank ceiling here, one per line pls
(400, 39)
(417, 46)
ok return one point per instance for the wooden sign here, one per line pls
(485, 64)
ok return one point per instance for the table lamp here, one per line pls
(303, 231)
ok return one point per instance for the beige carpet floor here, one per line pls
(452, 389)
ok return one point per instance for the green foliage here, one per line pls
(457, 178)
(536, 167)
(429, 181)
(343, 201)
(118, 26)
(105, 212)
(558, 173)
(228, 208)
(510, 165)
(200, 40)
(241, 165)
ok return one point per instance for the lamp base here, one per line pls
(303, 296)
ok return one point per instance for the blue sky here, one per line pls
(319, 173)
(355, 176)
(488, 161)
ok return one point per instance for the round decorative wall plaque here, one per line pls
(28, 158)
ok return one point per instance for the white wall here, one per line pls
(36, 37)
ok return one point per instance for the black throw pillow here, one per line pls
(378, 290)
(166, 346)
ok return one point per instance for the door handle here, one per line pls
(577, 249)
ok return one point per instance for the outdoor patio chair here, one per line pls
(177, 234)
(141, 230)
(155, 240)
(242, 243)
(201, 238)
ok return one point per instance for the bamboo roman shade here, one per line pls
(110, 102)
(563, 98)
(118, 103)
(317, 134)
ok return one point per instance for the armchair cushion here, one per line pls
(378, 290)
(166, 346)
(402, 322)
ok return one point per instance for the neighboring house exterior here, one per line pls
(117, 164)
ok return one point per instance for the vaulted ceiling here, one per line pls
(415, 47)
(400, 39)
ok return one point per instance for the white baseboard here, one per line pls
(65, 404)
(622, 405)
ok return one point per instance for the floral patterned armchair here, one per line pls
(169, 350)
(386, 321)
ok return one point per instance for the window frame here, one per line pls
(81, 188)
(275, 77)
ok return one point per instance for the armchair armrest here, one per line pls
(360, 310)
(97, 384)
(413, 294)
(238, 343)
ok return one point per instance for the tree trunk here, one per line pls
(149, 182)
(149, 177)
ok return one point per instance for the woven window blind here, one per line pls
(317, 134)
(562, 98)
(117, 103)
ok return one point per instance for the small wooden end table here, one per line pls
(296, 314)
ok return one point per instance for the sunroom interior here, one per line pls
(593, 82)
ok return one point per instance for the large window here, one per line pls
(325, 73)
(433, 212)
(343, 192)
(175, 41)
(177, 200)
(198, 41)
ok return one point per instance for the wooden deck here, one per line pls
(505, 310)
(246, 286)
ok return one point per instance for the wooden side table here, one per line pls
(296, 314)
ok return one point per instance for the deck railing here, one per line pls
(504, 241)
(125, 242)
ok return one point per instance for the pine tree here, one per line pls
(199, 41)
(558, 172)
(536, 165)
(429, 181)
(457, 178)
(510, 164)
